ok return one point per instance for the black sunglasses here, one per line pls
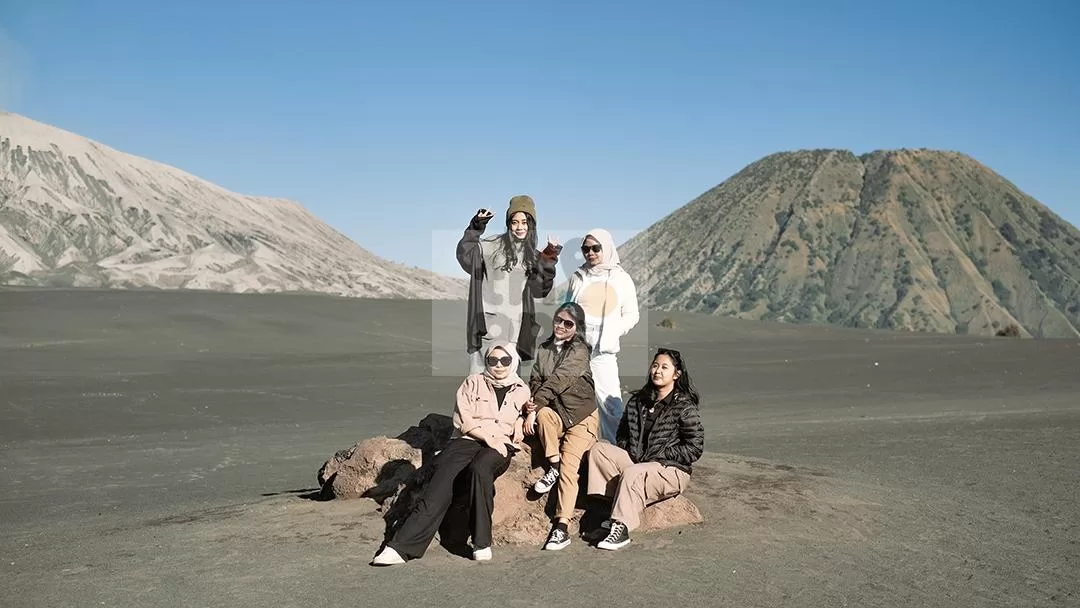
(592, 248)
(505, 361)
(567, 323)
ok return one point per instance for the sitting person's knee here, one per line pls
(546, 414)
(636, 471)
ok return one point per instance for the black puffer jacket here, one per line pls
(677, 438)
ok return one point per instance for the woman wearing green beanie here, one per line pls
(507, 274)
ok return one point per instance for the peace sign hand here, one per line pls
(553, 248)
(480, 220)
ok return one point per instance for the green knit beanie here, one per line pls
(521, 202)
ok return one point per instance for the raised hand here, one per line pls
(480, 220)
(553, 248)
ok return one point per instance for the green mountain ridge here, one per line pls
(920, 240)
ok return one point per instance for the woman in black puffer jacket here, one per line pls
(659, 439)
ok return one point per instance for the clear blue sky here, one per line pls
(393, 121)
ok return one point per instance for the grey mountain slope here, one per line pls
(905, 239)
(74, 212)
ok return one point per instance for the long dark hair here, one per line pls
(577, 313)
(506, 242)
(683, 384)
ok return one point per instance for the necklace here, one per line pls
(652, 408)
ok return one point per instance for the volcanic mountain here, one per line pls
(917, 240)
(74, 212)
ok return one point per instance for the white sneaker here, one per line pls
(387, 557)
(482, 555)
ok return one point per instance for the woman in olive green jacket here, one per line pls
(563, 413)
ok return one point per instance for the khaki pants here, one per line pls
(633, 486)
(570, 445)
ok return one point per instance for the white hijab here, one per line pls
(609, 257)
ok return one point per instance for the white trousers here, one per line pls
(605, 371)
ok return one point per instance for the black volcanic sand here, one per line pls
(156, 447)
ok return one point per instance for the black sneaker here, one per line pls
(618, 538)
(545, 483)
(558, 539)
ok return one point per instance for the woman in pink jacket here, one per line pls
(487, 427)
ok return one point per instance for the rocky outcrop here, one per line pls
(391, 471)
(376, 468)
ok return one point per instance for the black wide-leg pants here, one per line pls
(483, 466)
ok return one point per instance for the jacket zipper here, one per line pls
(641, 421)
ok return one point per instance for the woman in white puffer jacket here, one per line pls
(608, 295)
